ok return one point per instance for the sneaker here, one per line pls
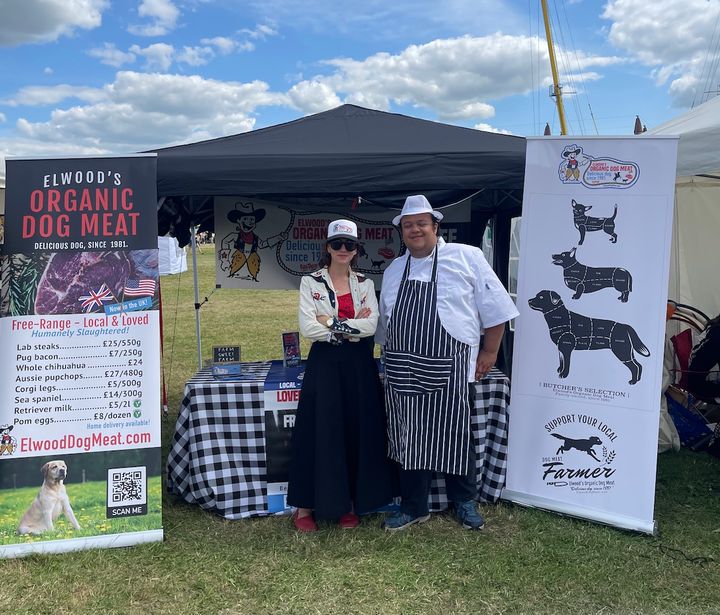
(468, 515)
(339, 326)
(400, 520)
(304, 524)
(349, 521)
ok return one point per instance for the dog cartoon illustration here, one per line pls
(377, 265)
(584, 279)
(570, 331)
(585, 223)
(583, 444)
(7, 442)
(51, 501)
(241, 246)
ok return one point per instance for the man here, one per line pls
(437, 302)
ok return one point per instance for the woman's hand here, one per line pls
(364, 313)
(322, 319)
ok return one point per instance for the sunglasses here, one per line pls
(336, 244)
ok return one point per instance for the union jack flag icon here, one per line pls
(96, 298)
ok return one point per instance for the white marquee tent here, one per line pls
(695, 266)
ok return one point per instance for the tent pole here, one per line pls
(193, 241)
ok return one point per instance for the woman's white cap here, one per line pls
(417, 204)
(342, 228)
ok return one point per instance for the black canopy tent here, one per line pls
(330, 158)
(347, 155)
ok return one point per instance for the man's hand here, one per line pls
(485, 362)
(487, 356)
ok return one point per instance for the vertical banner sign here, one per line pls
(261, 244)
(80, 383)
(588, 354)
(282, 393)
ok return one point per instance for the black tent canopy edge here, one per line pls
(339, 155)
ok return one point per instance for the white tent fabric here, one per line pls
(694, 270)
(171, 257)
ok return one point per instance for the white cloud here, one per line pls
(195, 56)
(223, 44)
(47, 71)
(139, 111)
(261, 31)
(2, 118)
(158, 56)
(489, 128)
(163, 13)
(42, 21)
(111, 55)
(457, 77)
(35, 95)
(313, 96)
(670, 36)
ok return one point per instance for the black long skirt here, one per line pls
(339, 443)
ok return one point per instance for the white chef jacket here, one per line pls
(470, 297)
(315, 299)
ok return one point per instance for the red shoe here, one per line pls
(349, 521)
(304, 524)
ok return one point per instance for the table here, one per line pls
(217, 459)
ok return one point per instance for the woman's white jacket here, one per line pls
(317, 296)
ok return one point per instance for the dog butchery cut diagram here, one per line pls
(570, 331)
(586, 279)
(578, 167)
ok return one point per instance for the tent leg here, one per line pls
(193, 241)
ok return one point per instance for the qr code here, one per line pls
(127, 486)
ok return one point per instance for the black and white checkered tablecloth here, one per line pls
(217, 458)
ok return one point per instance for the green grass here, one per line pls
(525, 561)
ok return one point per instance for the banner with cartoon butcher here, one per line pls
(261, 244)
(589, 341)
(80, 384)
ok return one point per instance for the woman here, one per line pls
(704, 369)
(338, 462)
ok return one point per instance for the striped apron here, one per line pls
(426, 392)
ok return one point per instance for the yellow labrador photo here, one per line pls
(51, 500)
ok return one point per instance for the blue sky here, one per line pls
(108, 77)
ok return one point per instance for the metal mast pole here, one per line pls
(553, 68)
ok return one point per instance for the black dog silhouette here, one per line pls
(570, 331)
(377, 264)
(584, 279)
(583, 444)
(585, 223)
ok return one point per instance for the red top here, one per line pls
(345, 306)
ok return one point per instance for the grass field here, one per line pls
(525, 561)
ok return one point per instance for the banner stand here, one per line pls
(581, 512)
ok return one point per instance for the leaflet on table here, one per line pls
(282, 393)
(80, 382)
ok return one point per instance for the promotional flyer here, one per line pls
(80, 419)
(588, 353)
